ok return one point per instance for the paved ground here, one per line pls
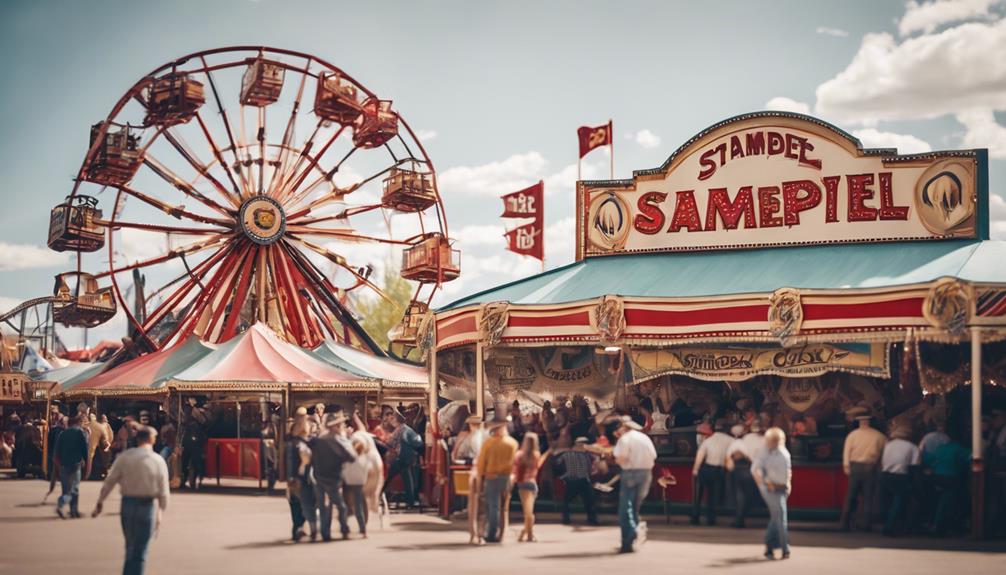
(222, 533)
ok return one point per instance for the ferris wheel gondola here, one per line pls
(252, 218)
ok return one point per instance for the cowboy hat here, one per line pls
(335, 419)
(627, 421)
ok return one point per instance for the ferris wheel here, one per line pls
(249, 184)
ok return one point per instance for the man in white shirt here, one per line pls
(740, 455)
(142, 476)
(709, 472)
(900, 455)
(635, 454)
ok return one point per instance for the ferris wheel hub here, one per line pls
(262, 220)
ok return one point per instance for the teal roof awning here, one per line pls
(763, 270)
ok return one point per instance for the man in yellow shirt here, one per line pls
(861, 462)
(495, 463)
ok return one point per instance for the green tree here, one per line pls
(378, 315)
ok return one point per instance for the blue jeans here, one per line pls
(302, 507)
(333, 489)
(777, 532)
(634, 486)
(69, 483)
(137, 518)
(495, 487)
(355, 494)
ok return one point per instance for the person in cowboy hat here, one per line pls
(860, 460)
(331, 451)
(740, 455)
(635, 454)
(495, 462)
(577, 464)
(899, 458)
(404, 447)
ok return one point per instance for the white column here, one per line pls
(434, 391)
(976, 393)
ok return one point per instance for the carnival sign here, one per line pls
(742, 362)
(547, 372)
(12, 386)
(775, 178)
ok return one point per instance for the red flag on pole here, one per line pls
(593, 137)
(526, 203)
(527, 240)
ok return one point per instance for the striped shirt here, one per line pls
(577, 464)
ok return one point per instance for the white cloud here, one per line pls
(8, 303)
(927, 76)
(927, 16)
(983, 132)
(836, 32)
(27, 256)
(495, 178)
(784, 104)
(480, 235)
(646, 139)
(426, 135)
(997, 216)
(905, 143)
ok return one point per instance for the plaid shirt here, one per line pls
(577, 464)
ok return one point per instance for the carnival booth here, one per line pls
(772, 269)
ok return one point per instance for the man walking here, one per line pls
(495, 462)
(142, 477)
(900, 456)
(71, 460)
(332, 450)
(773, 471)
(860, 460)
(576, 464)
(709, 473)
(635, 454)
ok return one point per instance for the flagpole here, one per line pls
(611, 135)
(542, 211)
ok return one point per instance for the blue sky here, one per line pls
(499, 88)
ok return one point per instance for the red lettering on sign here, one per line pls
(755, 143)
(730, 212)
(888, 211)
(776, 143)
(791, 143)
(805, 147)
(708, 164)
(794, 202)
(831, 198)
(686, 213)
(650, 218)
(769, 205)
(859, 193)
(736, 150)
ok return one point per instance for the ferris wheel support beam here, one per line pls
(174, 211)
(176, 297)
(218, 154)
(227, 126)
(188, 249)
(198, 165)
(314, 163)
(181, 185)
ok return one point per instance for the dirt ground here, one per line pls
(242, 532)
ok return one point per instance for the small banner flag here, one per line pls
(525, 203)
(591, 138)
(527, 239)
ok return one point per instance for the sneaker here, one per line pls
(641, 533)
(769, 555)
(623, 550)
(785, 554)
(298, 534)
(59, 511)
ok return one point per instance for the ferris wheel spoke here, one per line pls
(192, 280)
(341, 262)
(260, 135)
(199, 306)
(297, 231)
(224, 305)
(295, 196)
(170, 255)
(181, 185)
(247, 274)
(227, 127)
(199, 166)
(312, 291)
(282, 189)
(279, 172)
(218, 155)
(298, 319)
(161, 228)
(174, 211)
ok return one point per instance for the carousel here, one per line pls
(772, 268)
(233, 206)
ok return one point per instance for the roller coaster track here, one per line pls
(26, 305)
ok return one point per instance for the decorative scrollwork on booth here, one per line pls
(609, 319)
(947, 306)
(785, 315)
(427, 334)
(493, 321)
